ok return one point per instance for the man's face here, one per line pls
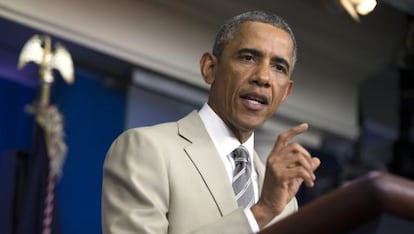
(251, 78)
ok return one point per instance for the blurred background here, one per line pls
(137, 63)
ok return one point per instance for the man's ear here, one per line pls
(288, 90)
(207, 64)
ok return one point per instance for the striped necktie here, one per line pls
(242, 181)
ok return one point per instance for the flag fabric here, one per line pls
(39, 211)
(13, 174)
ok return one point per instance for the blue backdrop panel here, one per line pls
(15, 124)
(15, 134)
(94, 116)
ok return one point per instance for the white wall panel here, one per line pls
(154, 36)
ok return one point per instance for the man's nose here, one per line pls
(262, 76)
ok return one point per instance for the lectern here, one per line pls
(379, 203)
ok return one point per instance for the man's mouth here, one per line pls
(255, 98)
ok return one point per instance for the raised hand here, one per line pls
(288, 165)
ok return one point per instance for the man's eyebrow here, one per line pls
(250, 51)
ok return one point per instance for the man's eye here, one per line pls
(248, 57)
(281, 68)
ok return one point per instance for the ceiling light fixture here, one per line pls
(355, 8)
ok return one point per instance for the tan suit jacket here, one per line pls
(169, 178)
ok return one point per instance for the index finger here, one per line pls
(283, 138)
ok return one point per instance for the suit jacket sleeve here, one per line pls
(135, 195)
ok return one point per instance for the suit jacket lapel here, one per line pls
(206, 159)
(260, 169)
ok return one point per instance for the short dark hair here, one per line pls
(227, 30)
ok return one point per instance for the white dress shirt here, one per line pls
(225, 142)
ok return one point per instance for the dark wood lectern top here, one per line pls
(354, 203)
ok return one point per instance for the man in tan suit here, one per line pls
(179, 177)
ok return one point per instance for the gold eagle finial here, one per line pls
(38, 50)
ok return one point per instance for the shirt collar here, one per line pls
(223, 138)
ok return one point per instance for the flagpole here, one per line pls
(46, 78)
(38, 49)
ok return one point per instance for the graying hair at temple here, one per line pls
(228, 29)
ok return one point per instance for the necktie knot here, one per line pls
(240, 155)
